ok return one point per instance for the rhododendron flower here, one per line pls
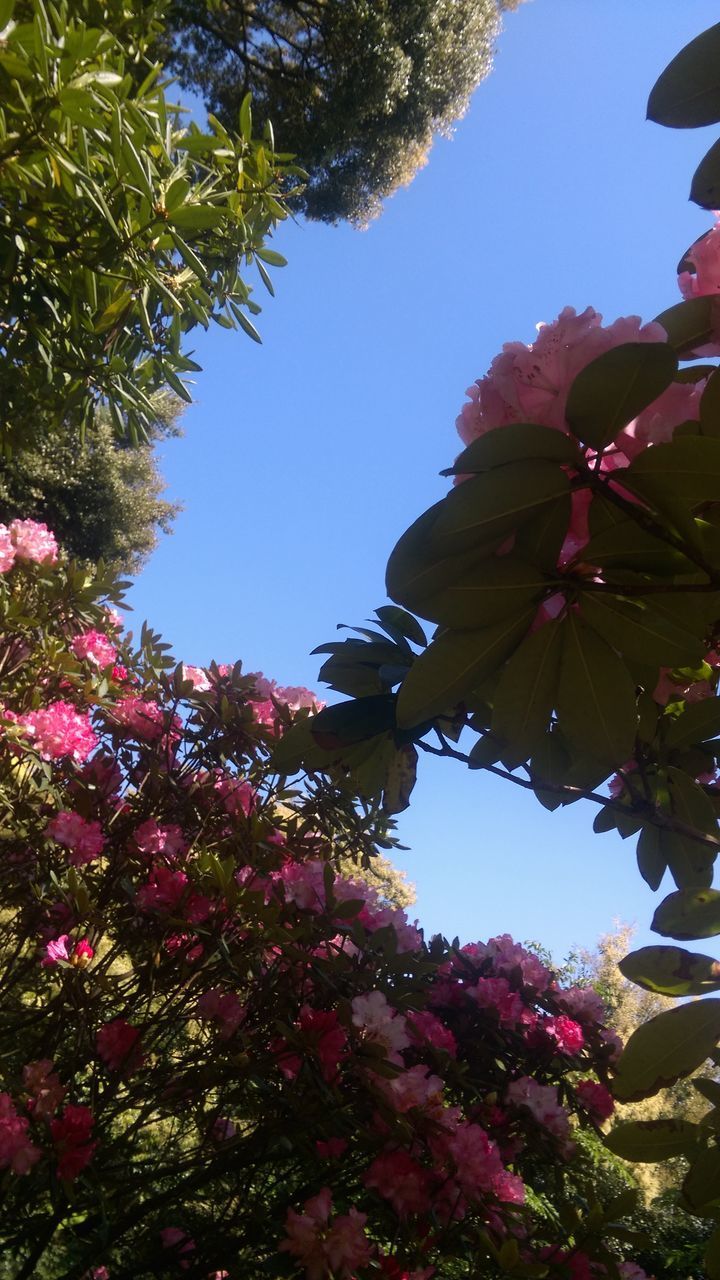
(531, 383)
(180, 1242)
(332, 1149)
(56, 949)
(596, 1099)
(84, 839)
(495, 993)
(325, 1037)
(476, 1158)
(33, 541)
(567, 1034)
(582, 1003)
(43, 1084)
(372, 1015)
(400, 1180)
(223, 1007)
(59, 730)
(237, 795)
(152, 838)
(197, 677)
(17, 1152)
(95, 648)
(118, 1045)
(71, 1136)
(631, 1271)
(7, 549)
(424, 1028)
(141, 718)
(704, 257)
(415, 1087)
(326, 1246)
(541, 1101)
(164, 890)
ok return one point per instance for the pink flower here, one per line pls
(400, 1180)
(95, 648)
(426, 1029)
(237, 795)
(57, 949)
(374, 1017)
(415, 1087)
(44, 1086)
(7, 550)
(332, 1149)
(197, 677)
(326, 1246)
(118, 1046)
(71, 1136)
(567, 1034)
(223, 1007)
(596, 1100)
(59, 730)
(17, 1152)
(33, 541)
(180, 1242)
(704, 257)
(541, 1101)
(84, 839)
(164, 890)
(151, 838)
(142, 719)
(582, 1003)
(495, 993)
(531, 383)
(325, 1038)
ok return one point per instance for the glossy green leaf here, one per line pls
(194, 217)
(515, 442)
(526, 692)
(672, 1045)
(688, 914)
(688, 468)
(615, 387)
(453, 665)
(705, 185)
(701, 1188)
(540, 539)
(596, 698)
(416, 571)
(634, 629)
(492, 589)
(348, 722)
(687, 93)
(672, 971)
(647, 1141)
(624, 544)
(496, 503)
(651, 856)
(391, 615)
(690, 324)
(697, 722)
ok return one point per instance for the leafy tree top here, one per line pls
(360, 87)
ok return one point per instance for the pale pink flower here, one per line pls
(375, 1018)
(33, 541)
(17, 1152)
(84, 839)
(237, 795)
(59, 730)
(95, 648)
(43, 1084)
(151, 838)
(197, 677)
(541, 1100)
(582, 1003)
(704, 256)
(7, 550)
(495, 993)
(415, 1087)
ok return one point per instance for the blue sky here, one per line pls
(304, 459)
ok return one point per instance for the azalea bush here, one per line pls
(221, 1055)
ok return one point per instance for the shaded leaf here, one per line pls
(526, 692)
(688, 914)
(690, 324)
(697, 722)
(671, 971)
(491, 589)
(670, 1046)
(633, 628)
(596, 698)
(651, 856)
(701, 1188)
(615, 387)
(647, 1141)
(346, 723)
(687, 93)
(400, 780)
(515, 442)
(496, 503)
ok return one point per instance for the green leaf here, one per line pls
(687, 93)
(614, 388)
(400, 780)
(196, 217)
(272, 258)
(596, 698)
(526, 692)
(690, 324)
(549, 764)
(541, 538)
(638, 633)
(349, 722)
(245, 118)
(687, 468)
(416, 572)
(489, 590)
(688, 914)
(651, 856)
(625, 545)
(670, 1046)
(453, 665)
(496, 503)
(515, 442)
(712, 1256)
(672, 971)
(647, 1141)
(402, 621)
(705, 185)
(697, 722)
(701, 1188)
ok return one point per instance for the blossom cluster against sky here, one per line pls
(304, 459)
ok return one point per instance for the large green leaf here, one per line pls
(672, 971)
(613, 389)
(496, 503)
(492, 589)
(712, 1256)
(651, 855)
(400, 780)
(687, 93)
(705, 185)
(697, 722)
(540, 540)
(670, 1046)
(636, 631)
(690, 324)
(346, 723)
(624, 544)
(453, 665)
(687, 468)
(647, 1141)
(688, 914)
(701, 1188)
(515, 442)
(690, 860)
(526, 692)
(416, 571)
(596, 704)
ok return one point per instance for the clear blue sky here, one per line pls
(304, 459)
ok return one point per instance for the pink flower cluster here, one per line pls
(326, 1245)
(83, 838)
(26, 540)
(60, 730)
(95, 648)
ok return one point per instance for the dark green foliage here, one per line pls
(356, 88)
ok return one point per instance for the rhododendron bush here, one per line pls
(572, 576)
(221, 1056)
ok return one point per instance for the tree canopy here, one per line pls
(356, 88)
